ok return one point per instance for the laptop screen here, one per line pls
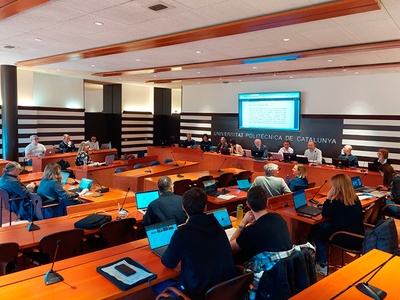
(160, 234)
(222, 217)
(109, 159)
(143, 199)
(86, 183)
(64, 177)
(243, 183)
(299, 199)
(356, 181)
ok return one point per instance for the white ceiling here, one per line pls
(68, 25)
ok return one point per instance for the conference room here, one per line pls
(144, 78)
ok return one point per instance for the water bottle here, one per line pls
(239, 214)
(287, 178)
(85, 165)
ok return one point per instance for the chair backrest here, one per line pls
(181, 186)
(224, 179)
(155, 163)
(200, 180)
(168, 160)
(139, 166)
(121, 169)
(4, 199)
(244, 175)
(70, 245)
(8, 253)
(118, 232)
(377, 213)
(233, 289)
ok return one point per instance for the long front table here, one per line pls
(212, 161)
(40, 162)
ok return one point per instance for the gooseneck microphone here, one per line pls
(122, 212)
(362, 168)
(180, 171)
(319, 190)
(173, 156)
(52, 276)
(32, 226)
(219, 170)
(101, 189)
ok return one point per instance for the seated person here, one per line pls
(273, 185)
(235, 148)
(343, 209)
(353, 161)
(258, 146)
(51, 191)
(34, 148)
(286, 148)
(83, 157)
(391, 181)
(313, 154)
(202, 248)
(222, 144)
(189, 142)
(300, 181)
(167, 207)
(205, 143)
(93, 143)
(383, 157)
(15, 189)
(67, 145)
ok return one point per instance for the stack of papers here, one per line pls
(226, 197)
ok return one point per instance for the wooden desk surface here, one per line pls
(339, 280)
(231, 204)
(81, 280)
(31, 177)
(134, 179)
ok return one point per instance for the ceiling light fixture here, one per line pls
(271, 59)
(137, 59)
(99, 23)
(38, 39)
(198, 52)
(286, 40)
(330, 60)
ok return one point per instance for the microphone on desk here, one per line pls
(32, 226)
(363, 176)
(173, 156)
(52, 276)
(24, 171)
(312, 199)
(365, 287)
(362, 168)
(219, 170)
(101, 189)
(179, 174)
(122, 212)
(148, 170)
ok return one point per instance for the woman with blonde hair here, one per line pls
(300, 181)
(51, 191)
(343, 209)
(83, 156)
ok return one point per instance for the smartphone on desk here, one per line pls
(124, 269)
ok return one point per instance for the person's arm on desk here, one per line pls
(247, 219)
(173, 255)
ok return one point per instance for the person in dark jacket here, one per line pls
(391, 182)
(202, 248)
(67, 145)
(343, 209)
(15, 189)
(300, 181)
(167, 207)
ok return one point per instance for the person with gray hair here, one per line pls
(353, 160)
(15, 189)
(34, 148)
(67, 145)
(273, 185)
(167, 207)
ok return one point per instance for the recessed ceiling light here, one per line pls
(198, 82)
(254, 67)
(356, 73)
(38, 39)
(9, 47)
(198, 52)
(291, 77)
(120, 78)
(344, 70)
(198, 72)
(274, 75)
(137, 59)
(286, 40)
(240, 80)
(99, 23)
(93, 65)
(330, 60)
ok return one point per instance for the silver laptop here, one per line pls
(301, 206)
(49, 152)
(159, 235)
(143, 199)
(224, 220)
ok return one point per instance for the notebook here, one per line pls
(358, 186)
(210, 187)
(85, 184)
(159, 236)
(143, 199)
(223, 219)
(243, 184)
(64, 177)
(301, 206)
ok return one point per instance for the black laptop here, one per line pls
(358, 186)
(159, 235)
(301, 206)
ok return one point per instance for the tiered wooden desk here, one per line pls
(38, 163)
(211, 161)
(134, 179)
(333, 284)
(231, 204)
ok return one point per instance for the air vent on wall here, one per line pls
(158, 7)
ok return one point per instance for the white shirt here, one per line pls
(283, 150)
(314, 156)
(93, 146)
(32, 149)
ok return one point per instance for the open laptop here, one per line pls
(143, 199)
(340, 163)
(222, 217)
(243, 184)
(104, 146)
(159, 235)
(210, 187)
(64, 177)
(358, 186)
(258, 154)
(86, 183)
(301, 159)
(374, 167)
(49, 152)
(289, 157)
(301, 206)
(225, 151)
